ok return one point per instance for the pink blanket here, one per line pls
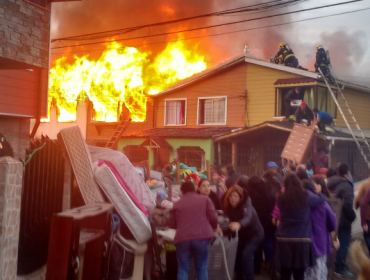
(124, 186)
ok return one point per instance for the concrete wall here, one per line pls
(24, 33)
(11, 172)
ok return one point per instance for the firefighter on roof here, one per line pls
(322, 61)
(289, 58)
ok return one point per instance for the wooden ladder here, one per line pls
(112, 142)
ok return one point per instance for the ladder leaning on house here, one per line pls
(361, 141)
(112, 142)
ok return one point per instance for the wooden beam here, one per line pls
(208, 168)
(178, 170)
(233, 153)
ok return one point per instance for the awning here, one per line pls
(156, 142)
(295, 82)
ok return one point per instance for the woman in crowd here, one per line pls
(244, 220)
(294, 251)
(323, 223)
(257, 192)
(273, 187)
(204, 188)
(195, 220)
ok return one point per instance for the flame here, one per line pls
(120, 75)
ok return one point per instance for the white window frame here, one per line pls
(211, 97)
(165, 110)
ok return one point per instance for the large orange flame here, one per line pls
(121, 74)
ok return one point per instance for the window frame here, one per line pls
(211, 97)
(185, 110)
(328, 96)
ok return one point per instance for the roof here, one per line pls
(312, 76)
(304, 80)
(156, 142)
(341, 133)
(179, 132)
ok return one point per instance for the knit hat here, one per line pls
(303, 104)
(272, 164)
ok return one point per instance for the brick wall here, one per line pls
(11, 172)
(24, 33)
(16, 131)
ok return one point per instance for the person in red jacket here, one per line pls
(195, 219)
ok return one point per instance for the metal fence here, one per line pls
(347, 151)
(41, 197)
(248, 160)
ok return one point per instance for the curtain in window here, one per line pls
(175, 112)
(214, 110)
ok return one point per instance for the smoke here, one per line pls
(347, 49)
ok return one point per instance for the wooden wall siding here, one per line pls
(19, 92)
(261, 93)
(359, 102)
(231, 83)
(105, 130)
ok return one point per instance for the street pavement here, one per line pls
(352, 267)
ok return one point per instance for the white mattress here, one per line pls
(127, 172)
(81, 163)
(133, 217)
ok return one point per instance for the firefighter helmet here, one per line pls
(319, 47)
(281, 45)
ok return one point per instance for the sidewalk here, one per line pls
(351, 265)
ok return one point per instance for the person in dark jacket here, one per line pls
(343, 189)
(195, 219)
(304, 112)
(204, 188)
(244, 220)
(293, 250)
(257, 192)
(322, 61)
(288, 55)
(232, 176)
(292, 95)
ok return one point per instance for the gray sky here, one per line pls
(346, 36)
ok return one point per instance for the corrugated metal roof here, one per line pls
(157, 141)
(295, 81)
(204, 132)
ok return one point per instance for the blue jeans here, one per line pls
(199, 249)
(344, 236)
(244, 264)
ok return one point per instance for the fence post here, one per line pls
(208, 166)
(233, 154)
(11, 172)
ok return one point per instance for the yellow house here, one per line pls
(242, 97)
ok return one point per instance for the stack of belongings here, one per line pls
(106, 175)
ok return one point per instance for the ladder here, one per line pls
(361, 143)
(112, 142)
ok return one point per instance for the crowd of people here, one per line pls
(283, 220)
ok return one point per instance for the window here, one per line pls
(307, 94)
(191, 156)
(325, 101)
(212, 111)
(175, 112)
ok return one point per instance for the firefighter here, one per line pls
(289, 58)
(322, 61)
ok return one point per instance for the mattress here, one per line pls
(124, 186)
(81, 163)
(133, 217)
(127, 172)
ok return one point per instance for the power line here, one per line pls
(225, 33)
(255, 7)
(211, 26)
